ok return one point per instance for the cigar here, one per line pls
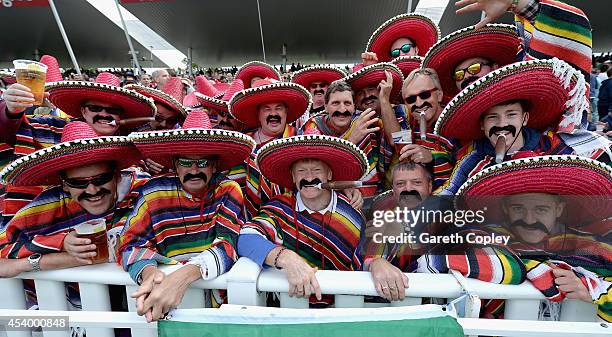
(500, 149)
(422, 126)
(339, 185)
(132, 121)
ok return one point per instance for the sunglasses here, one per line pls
(472, 69)
(318, 85)
(99, 108)
(397, 51)
(171, 121)
(82, 183)
(423, 95)
(200, 163)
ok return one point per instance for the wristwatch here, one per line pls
(34, 260)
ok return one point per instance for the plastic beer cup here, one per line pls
(32, 74)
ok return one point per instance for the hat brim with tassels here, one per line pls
(42, 167)
(419, 28)
(496, 42)
(308, 75)
(6, 74)
(69, 95)
(546, 84)
(346, 160)
(407, 63)
(253, 69)
(159, 96)
(212, 103)
(585, 184)
(230, 147)
(243, 105)
(373, 74)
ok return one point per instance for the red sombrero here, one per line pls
(586, 184)
(555, 90)
(195, 138)
(346, 160)
(170, 95)
(221, 86)
(497, 42)
(416, 27)
(373, 74)
(317, 73)
(206, 88)
(8, 77)
(220, 104)
(407, 63)
(253, 69)
(243, 105)
(80, 146)
(53, 71)
(69, 95)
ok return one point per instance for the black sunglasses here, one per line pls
(200, 163)
(82, 183)
(397, 51)
(170, 121)
(99, 108)
(423, 95)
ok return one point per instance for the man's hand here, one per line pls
(80, 248)
(355, 197)
(493, 9)
(13, 267)
(385, 87)
(151, 276)
(301, 276)
(369, 58)
(362, 125)
(390, 282)
(416, 153)
(153, 167)
(18, 97)
(569, 283)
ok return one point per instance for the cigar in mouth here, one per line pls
(500, 149)
(132, 121)
(338, 185)
(422, 125)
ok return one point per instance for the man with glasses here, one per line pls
(192, 217)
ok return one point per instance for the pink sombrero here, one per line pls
(497, 42)
(586, 184)
(220, 104)
(170, 95)
(243, 105)
(195, 138)
(204, 87)
(419, 28)
(373, 74)
(69, 95)
(317, 73)
(53, 70)
(346, 160)
(555, 90)
(407, 63)
(253, 69)
(80, 146)
(8, 77)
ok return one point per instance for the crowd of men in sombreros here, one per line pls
(283, 172)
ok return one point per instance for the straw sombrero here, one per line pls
(170, 95)
(373, 74)
(346, 160)
(407, 63)
(220, 103)
(497, 42)
(80, 146)
(69, 95)
(195, 138)
(555, 90)
(243, 105)
(585, 184)
(311, 74)
(419, 28)
(253, 69)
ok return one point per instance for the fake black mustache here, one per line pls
(98, 118)
(312, 182)
(102, 192)
(509, 128)
(200, 175)
(342, 114)
(319, 91)
(273, 118)
(469, 80)
(532, 226)
(368, 98)
(414, 193)
(425, 104)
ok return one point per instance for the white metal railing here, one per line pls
(246, 284)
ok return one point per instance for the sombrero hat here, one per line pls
(497, 42)
(204, 87)
(419, 28)
(80, 146)
(220, 103)
(252, 69)
(221, 86)
(170, 95)
(243, 105)
(69, 95)
(585, 184)
(53, 70)
(555, 90)
(346, 160)
(373, 74)
(311, 74)
(195, 138)
(407, 63)
(8, 77)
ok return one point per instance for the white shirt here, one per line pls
(331, 207)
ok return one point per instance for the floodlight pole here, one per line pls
(263, 46)
(409, 9)
(66, 41)
(129, 39)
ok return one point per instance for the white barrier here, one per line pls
(246, 284)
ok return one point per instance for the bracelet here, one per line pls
(277, 256)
